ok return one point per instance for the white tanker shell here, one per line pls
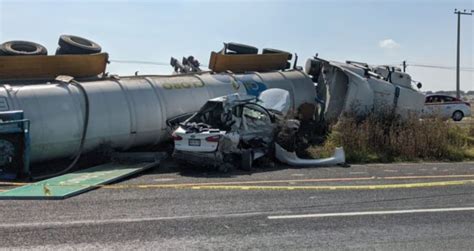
(130, 111)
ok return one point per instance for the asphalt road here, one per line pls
(260, 210)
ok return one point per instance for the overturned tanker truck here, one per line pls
(126, 112)
(67, 117)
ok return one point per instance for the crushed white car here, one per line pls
(237, 129)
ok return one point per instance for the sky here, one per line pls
(421, 32)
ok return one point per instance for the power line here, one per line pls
(441, 67)
(139, 62)
(144, 62)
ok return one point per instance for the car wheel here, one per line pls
(458, 115)
(247, 160)
(242, 48)
(77, 45)
(22, 48)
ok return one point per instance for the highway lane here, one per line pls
(131, 218)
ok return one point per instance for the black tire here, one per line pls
(458, 116)
(77, 45)
(59, 51)
(269, 51)
(22, 48)
(247, 160)
(242, 48)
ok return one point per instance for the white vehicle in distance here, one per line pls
(446, 107)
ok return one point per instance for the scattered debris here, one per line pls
(290, 158)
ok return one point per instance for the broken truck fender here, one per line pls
(291, 159)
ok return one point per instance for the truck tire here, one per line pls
(59, 51)
(457, 116)
(22, 48)
(77, 45)
(269, 51)
(242, 48)
(247, 160)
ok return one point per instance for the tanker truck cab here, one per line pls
(230, 131)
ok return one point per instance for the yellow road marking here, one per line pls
(345, 187)
(428, 177)
(243, 185)
(314, 180)
(274, 181)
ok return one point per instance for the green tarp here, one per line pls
(71, 184)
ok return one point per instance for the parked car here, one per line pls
(446, 107)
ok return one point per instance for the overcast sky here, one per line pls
(376, 32)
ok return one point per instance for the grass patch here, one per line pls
(386, 138)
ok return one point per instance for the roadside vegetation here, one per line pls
(385, 138)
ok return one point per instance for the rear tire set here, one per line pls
(22, 48)
(67, 45)
(236, 48)
(76, 45)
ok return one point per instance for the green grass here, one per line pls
(384, 138)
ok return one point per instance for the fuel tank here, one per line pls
(130, 111)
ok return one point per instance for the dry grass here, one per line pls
(385, 138)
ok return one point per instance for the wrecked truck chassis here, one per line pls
(359, 89)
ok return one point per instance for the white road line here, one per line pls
(123, 220)
(164, 179)
(409, 211)
(357, 172)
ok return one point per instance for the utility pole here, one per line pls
(459, 13)
(404, 66)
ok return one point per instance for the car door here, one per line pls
(448, 106)
(256, 122)
(430, 106)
